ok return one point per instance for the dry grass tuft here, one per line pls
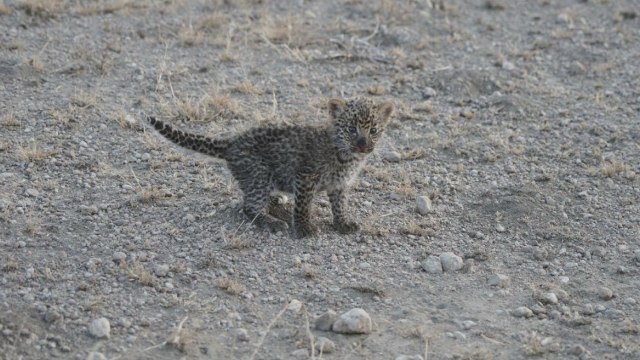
(309, 272)
(33, 226)
(190, 36)
(153, 194)
(614, 168)
(140, 274)
(4, 10)
(247, 87)
(414, 228)
(83, 99)
(213, 21)
(9, 266)
(44, 9)
(33, 153)
(180, 338)
(230, 286)
(238, 241)
(59, 116)
(10, 121)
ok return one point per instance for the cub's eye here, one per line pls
(352, 129)
(373, 131)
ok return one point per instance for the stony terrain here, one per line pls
(501, 215)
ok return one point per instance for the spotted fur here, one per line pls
(296, 159)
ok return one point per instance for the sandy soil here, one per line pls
(517, 120)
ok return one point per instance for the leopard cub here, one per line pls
(296, 159)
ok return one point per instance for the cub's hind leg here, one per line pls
(280, 209)
(257, 191)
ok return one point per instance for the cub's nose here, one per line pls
(361, 142)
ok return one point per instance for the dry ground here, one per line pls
(518, 119)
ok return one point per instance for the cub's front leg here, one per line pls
(341, 221)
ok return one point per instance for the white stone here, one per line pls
(161, 270)
(242, 334)
(451, 262)
(324, 345)
(432, 265)
(423, 205)
(605, 293)
(354, 321)
(325, 321)
(499, 280)
(294, 305)
(548, 298)
(523, 311)
(100, 328)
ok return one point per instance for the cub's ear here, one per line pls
(336, 106)
(385, 109)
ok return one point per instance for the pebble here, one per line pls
(161, 270)
(32, 192)
(242, 334)
(451, 262)
(548, 298)
(468, 324)
(499, 280)
(500, 228)
(600, 308)
(523, 312)
(22, 244)
(100, 328)
(364, 265)
(509, 66)
(605, 293)
(96, 356)
(324, 345)
(469, 266)
(423, 205)
(294, 306)
(354, 321)
(325, 321)
(630, 301)
(51, 316)
(578, 350)
(428, 93)
(587, 309)
(300, 354)
(119, 256)
(432, 265)
(393, 156)
(410, 357)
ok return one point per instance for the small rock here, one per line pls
(432, 265)
(32, 192)
(22, 244)
(393, 156)
(500, 228)
(578, 350)
(468, 324)
(409, 357)
(614, 314)
(587, 309)
(423, 205)
(51, 316)
(428, 93)
(451, 262)
(509, 66)
(294, 305)
(324, 345)
(354, 321)
(119, 256)
(630, 301)
(161, 270)
(469, 266)
(599, 251)
(605, 293)
(600, 308)
(548, 298)
(523, 312)
(325, 321)
(300, 354)
(242, 334)
(100, 328)
(499, 280)
(96, 356)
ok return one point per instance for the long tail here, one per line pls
(199, 143)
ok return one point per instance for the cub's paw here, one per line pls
(346, 227)
(274, 225)
(306, 229)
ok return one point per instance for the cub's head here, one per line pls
(359, 123)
